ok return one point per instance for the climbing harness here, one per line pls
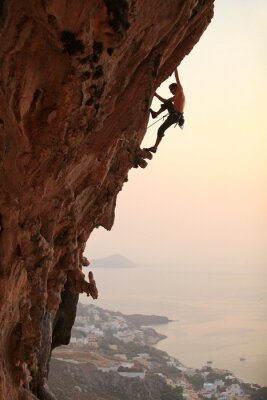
(162, 118)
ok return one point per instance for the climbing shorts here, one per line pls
(174, 118)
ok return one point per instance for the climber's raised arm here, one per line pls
(177, 78)
(160, 98)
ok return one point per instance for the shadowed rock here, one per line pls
(76, 82)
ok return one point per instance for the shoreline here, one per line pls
(242, 362)
(156, 337)
(116, 348)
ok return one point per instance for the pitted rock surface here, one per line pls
(76, 82)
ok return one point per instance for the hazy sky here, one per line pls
(202, 199)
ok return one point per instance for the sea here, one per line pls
(219, 315)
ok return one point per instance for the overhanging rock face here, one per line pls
(76, 81)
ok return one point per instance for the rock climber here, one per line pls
(175, 108)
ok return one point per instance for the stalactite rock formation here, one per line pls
(77, 78)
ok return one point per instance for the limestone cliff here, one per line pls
(76, 81)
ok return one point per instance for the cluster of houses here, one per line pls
(136, 368)
(219, 390)
(87, 331)
(96, 323)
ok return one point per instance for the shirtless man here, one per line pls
(175, 107)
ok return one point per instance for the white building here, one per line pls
(235, 390)
(133, 374)
(139, 335)
(209, 390)
(181, 382)
(97, 332)
(219, 383)
(230, 377)
(207, 395)
(161, 375)
(171, 363)
(188, 371)
(108, 369)
(125, 336)
(223, 396)
(79, 340)
(113, 347)
(144, 355)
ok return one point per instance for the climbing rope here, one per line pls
(164, 116)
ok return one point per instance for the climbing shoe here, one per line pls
(153, 113)
(151, 149)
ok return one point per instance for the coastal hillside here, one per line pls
(110, 357)
(76, 82)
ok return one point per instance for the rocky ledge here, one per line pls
(76, 81)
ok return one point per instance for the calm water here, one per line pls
(219, 316)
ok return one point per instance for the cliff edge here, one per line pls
(76, 81)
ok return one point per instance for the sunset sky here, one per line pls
(202, 199)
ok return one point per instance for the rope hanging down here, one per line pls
(164, 116)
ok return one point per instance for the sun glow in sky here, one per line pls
(202, 199)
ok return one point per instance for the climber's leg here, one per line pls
(164, 106)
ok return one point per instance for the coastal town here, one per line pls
(120, 348)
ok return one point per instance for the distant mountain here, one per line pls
(113, 261)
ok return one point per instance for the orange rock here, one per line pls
(76, 82)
